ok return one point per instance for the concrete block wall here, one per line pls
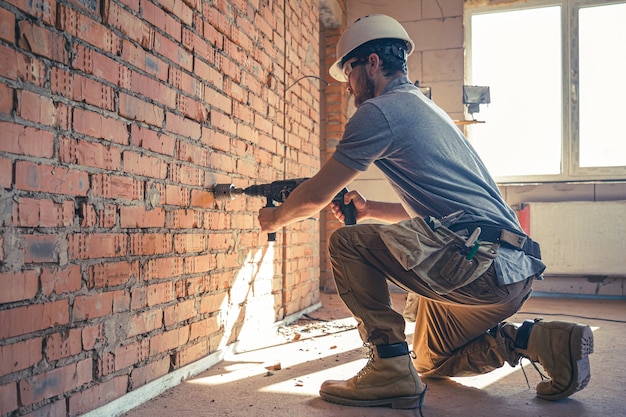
(117, 265)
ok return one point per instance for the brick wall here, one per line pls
(117, 265)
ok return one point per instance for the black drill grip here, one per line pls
(348, 210)
(271, 237)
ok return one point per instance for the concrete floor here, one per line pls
(312, 351)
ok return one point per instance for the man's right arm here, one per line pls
(374, 210)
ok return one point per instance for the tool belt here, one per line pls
(443, 259)
(504, 237)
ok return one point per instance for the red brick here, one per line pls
(212, 303)
(105, 364)
(61, 82)
(138, 57)
(36, 108)
(141, 375)
(150, 244)
(6, 95)
(190, 242)
(92, 306)
(44, 9)
(179, 312)
(52, 179)
(98, 126)
(152, 141)
(55, 382)
(192, 85)
(163, 268)
(63, 344)
(33, 317)
(130, 25)
(93, 92)
(179, 9)
(168, 340)
(210, 75)
(140, 217)
(183, 219)
(56, 408)
(7, 25)
(97, 395)
(92, 336)
(6, 172)
(193, 109)
(160, 293)
(190, 354)
(153, 89)
(192, 153)
(25, 140)
(96, 245)
(204, 328)
(8, 62)
(21, 355)
(165, 21)
(41, 41)
(173, 52)
(145, 322)
(8, 395)
(181, 126)
(18, 286)
(60, 280)
(174, 195)
(144, 165)
(189, 175)
(131, 354)
(43, 213)
(121, 301)
(117, 187)
(86, 29)
(107, 217)
(138, 298)
(137, 109)
(112, 274)
(40, 248)
(201, 263)
(91, 154)
(223, 122)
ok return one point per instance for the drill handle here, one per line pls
(271, 237)
(348, 210)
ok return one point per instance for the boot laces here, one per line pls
(370, 359)
(543, 377)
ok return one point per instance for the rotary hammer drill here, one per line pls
(277, 192)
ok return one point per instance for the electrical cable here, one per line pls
(572, 315)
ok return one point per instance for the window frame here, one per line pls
(571, 171)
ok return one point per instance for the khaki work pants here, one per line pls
(452, 332)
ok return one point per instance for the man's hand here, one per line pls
(267, 219)
(360, 204)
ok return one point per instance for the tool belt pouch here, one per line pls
(439, 256)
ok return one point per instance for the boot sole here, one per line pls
(402, 403)
(581, 345)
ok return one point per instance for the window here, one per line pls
(554, 70)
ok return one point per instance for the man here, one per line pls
(435, 173)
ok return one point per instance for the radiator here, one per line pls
(580, 238)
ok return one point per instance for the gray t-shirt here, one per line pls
(430, 165)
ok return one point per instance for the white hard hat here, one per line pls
(363, 30)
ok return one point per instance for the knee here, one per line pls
(336, 241)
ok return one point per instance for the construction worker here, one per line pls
(459, 331)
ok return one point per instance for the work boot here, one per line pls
(388, 379)
(562, 349)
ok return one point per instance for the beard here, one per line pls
(365, 90)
